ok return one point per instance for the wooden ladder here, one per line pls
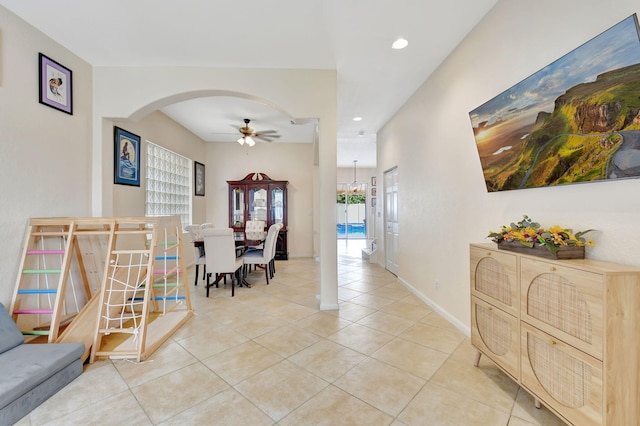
(39, 295)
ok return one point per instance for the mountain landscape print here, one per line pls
(576, 120)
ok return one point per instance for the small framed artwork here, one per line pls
(127, 157)
(374, 180)
(373, 202)
(374, 191)
(198, 179)
(55, 84)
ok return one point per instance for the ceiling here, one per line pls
(353, 37)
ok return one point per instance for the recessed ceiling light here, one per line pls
(399, 44)
(357, 118)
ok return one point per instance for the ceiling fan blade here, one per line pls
(262, 132)
(264, 138)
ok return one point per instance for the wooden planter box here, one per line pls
(567, 252)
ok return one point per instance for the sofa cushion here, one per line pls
(10, 335)
(24, 404)
(27, 366)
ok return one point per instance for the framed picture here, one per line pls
(198, 179)
(373, 202)
(127, 157)
(374, 191)
(573, 121)
(374, 180)
(55, 84)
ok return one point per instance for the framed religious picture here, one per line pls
(55, 85)
(374, 191)
(126, 154)
(198, 179)
(374, 180)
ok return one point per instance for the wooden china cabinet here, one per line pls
(258, 197)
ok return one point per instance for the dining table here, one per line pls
(242, 245)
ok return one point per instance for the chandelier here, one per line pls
(353, 188)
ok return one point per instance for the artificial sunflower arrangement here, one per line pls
(529, 234)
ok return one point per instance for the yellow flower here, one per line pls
(555, 229)
(529, 232)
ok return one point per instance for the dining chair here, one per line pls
(220, 247)
(272, 263)
(263, 257)
(254, 231)
(199, 255)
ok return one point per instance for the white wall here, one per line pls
(443, 202)
(45, 154)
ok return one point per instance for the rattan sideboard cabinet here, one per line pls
(579, 332)
(495, 307)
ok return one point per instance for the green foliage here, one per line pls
(353, 198)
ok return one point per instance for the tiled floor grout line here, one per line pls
(369, 294)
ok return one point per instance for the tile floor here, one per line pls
(268, 356)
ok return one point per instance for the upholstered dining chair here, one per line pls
(254, 231)
(272, 263)
(263, 257)
(197, 240)
(220, 247)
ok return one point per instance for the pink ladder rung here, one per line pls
(34, 311)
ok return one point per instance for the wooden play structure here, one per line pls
(100, 280)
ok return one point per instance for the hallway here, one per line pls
(268, 356)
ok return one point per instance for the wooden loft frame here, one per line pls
(90, 261)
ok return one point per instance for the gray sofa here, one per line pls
(31, 373)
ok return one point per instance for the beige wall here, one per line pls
(48, 156)
(298, 93)
(45, 154)
(291, 162)
(226, 161)
(443, 201)
(161, 130)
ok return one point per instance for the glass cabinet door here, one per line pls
(257, 203)
(237, 200)
(277, 205)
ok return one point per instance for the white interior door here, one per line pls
(391, 220)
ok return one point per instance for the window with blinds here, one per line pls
(168, 183)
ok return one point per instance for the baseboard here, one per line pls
(454, 321)
(329, 307)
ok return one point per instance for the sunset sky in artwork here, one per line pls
(519, 105)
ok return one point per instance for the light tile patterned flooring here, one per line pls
(268, 356)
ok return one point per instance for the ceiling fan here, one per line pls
(249, 134)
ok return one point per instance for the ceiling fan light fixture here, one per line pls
(241, 141)
(249, 141)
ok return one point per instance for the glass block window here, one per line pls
(168, 184)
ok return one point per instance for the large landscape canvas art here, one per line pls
(576, 120)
